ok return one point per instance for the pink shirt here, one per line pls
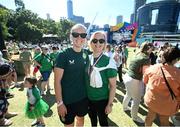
(157, 96)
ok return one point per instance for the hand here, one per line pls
(62, 111)
(108, 109)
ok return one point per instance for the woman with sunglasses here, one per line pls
(101, 88)
(70, 88)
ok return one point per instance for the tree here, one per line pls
(64, 29)
(4, 15)
(49, 27)
(28, 32)
(2, 45)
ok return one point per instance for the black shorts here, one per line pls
(79, 108)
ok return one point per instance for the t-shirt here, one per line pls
(36, 54)
(73, 80)
(54, 56)
(157, 96)
(136, 64)
(45, 62)
(25, 56)
(102, 92)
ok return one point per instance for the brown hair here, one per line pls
(145, 47)
(170, 54)
(31, 80)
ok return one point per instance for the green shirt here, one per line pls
(45, 62)
(25, 56)
(103, 92)
(36, 54)
(54, 56)
(136, 64)
(73, 80)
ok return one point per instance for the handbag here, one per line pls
(173, 96)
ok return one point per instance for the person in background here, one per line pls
(54, 54)
(101, 88)
(133, 80)
(153, 57)
(108, 51)
(35, 106)
(69, 79)
(160, 99)
(26, 57)
(44, 61)
(5, 72)
(118, 57)
(125, 52)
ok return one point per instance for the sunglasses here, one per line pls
(76, 35)
(101, 41)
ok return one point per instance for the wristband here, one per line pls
(59, 103)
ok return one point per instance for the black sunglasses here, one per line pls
(101, 41)
(82, 35)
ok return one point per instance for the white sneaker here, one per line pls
(138, 119)
(126, 109)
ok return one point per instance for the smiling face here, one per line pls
(78, 37)
(98, 43)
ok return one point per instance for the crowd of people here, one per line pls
(85, 80)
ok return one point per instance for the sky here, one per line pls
(106, 10)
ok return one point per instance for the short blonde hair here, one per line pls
(92, 37)
(77, 26)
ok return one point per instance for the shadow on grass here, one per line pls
(111, 123)
(50, 100)
(121, 87)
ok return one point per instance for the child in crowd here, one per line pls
(35, 107)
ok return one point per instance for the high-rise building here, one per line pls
(48, 16)
(161, 16)
(78, 19)
(179, 22)
(71, 16)
(119, 19)
(70, 9)
(132, 18)
(137, 4)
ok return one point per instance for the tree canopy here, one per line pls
(24, 25)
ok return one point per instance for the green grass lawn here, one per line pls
(116, 118)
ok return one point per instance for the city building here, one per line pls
(161, 16)
(106, 25)
(70, 9)
(179, 23)
(48, 16)
(78, 19)
(132, 18)
(71, 16)
(119, 19)
(137, 4)
(87, 25)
